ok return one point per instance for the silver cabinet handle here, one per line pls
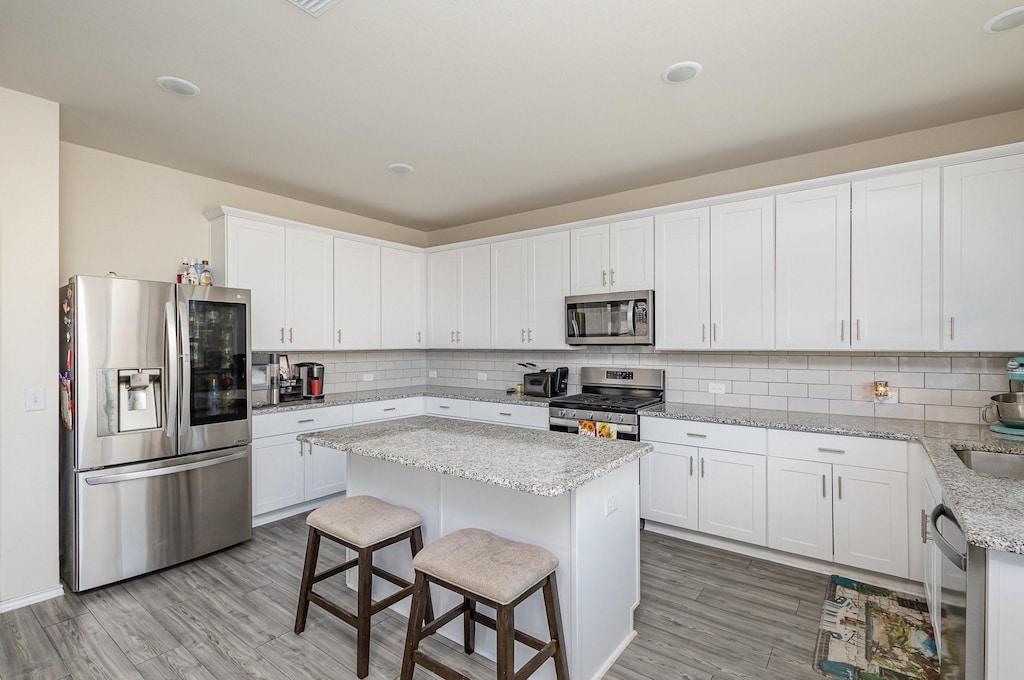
(417, 336)
(824, 450)
(703, 329)
(458, 336)
(307, 420)
(302, 449)
(858, 330)
(698, 435)
(924, 526)
(824, 492)
(339, 335)
(442, 406)
(691, 466)
(701, 467)
(840, 487)
(952, 328)
(392, 408)
(613, 277)
(453, 336)
(529, 335)
(714, 332)
(282, 335)
(604, 278)
(507, 415)
(291, 335)
(522, 335)
(842, 331)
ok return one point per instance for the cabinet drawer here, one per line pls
(511, 414)
(879, 454)
(451, 408)
(303, 420)
(389, 408)
(704, 435)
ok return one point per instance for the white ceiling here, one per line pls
(502, 106)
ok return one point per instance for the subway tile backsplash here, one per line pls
(946, 387)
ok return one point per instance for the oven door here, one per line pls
(595, 428)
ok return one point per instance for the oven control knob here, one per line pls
(561, 413)
(591, 416)
(621, 417)
(572, 413)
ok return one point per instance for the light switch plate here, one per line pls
(35, 399)
(367, 377)
(716, 388)
(432, 373)
(481, 376)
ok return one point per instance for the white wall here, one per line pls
(139, 219)
(29, 175)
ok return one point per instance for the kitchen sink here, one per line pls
(995, 464)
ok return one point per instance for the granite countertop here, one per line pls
(535, 461)
(467, 393)
(989, 508)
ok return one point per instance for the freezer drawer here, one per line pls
(134, 519)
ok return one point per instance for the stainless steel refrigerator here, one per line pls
(156, 425)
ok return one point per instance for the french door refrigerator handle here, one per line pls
(168, 470)
(172, 400)
(951, 553)
(185, 379)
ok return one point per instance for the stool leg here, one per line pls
(506, 630)
(554, 612)
(416, 544)
(469, 626)
(364, 599)
(308, 571)
(420, 594)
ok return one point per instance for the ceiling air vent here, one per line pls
(315, 7)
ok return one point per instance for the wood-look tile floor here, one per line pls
(704, 614)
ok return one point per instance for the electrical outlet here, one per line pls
(432, 373)
(611, 504)
(481, 376)
(367, 377)
(716, 388)
(35, 399)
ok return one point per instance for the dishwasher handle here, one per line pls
(958, 558)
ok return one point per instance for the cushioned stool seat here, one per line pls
(498, 573)
(363, 524)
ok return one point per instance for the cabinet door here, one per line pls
(509, 294)
(870, 512)
(255, 254)
(812, 269)
(402, 279)
(278, 478)
(732, 495)
(547, 285)
(743, 275)
(800, 507)
(356, 295)
(683, 279)
(326, 471)
(895, 262)
(442, 298)
(589, 267)
(474, 329)
(668, 485)
(310, 290)
(631, 254)
(982, 236)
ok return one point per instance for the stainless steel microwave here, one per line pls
(625, 318)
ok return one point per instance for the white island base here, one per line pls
(593, 530)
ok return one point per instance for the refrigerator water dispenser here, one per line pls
(138, 399)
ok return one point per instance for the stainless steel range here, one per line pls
(609, 403)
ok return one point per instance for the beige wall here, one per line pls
(938, 141)
(139, 219)
(29, 138)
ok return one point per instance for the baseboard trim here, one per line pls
(798, 561)
(610, 661)
(292, 510)
(26, 600)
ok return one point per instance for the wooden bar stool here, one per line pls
(363, 524)
(498, 573)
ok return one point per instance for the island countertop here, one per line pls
(535, 461)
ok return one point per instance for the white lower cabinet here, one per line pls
(732, 495)
(870, 519)
(668, 485)
(800, 507)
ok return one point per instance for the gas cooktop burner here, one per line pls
(605, 401)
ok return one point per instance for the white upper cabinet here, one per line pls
(357, 282)
(743, 275)
(402, 302)
(309, 287)
(983, 236)
(459, 294)
(613, 257)
(683, 279)
(812, 269)
(895, 262)
(529, 282)
(253, 255)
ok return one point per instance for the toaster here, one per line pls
(546, 384)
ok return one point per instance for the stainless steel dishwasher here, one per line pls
(962, 584)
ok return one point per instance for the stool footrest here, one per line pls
(438, 669)
(525, 638)
(388, 576)
(390, 599)
(531, 666)
(334, 571)
(445, 618)
(346, 616)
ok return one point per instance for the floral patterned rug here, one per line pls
(872, 633)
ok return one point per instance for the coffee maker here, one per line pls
(311, 379)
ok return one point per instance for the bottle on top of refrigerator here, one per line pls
(205, 274)
(183, 270)
(192, 275)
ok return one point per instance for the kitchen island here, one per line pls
(573, 495)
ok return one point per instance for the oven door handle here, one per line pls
(951, 553)
(575, 423)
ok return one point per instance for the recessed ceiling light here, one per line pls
(681, 72)
(399, 169)
(178, 86)
(1006, 21)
